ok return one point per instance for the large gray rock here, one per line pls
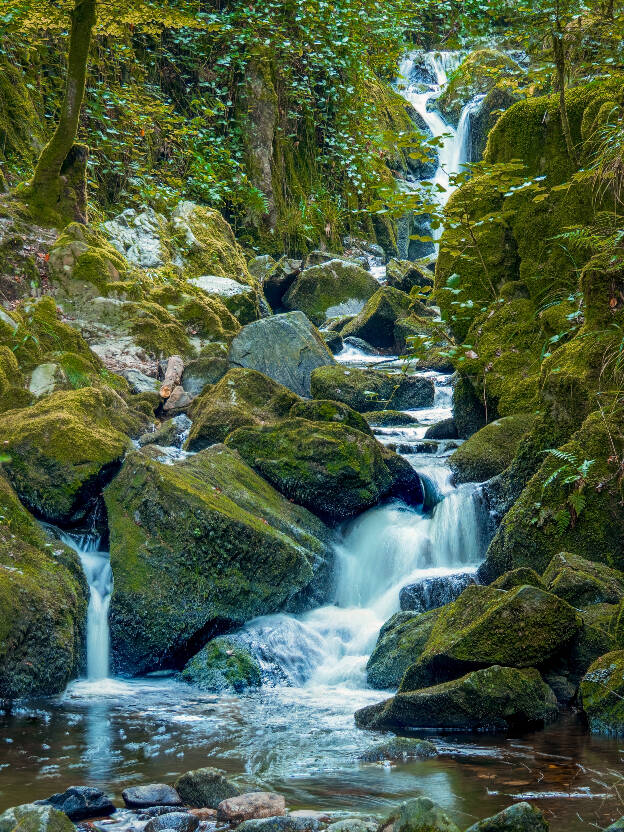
(154, 794)
(174, 821)
(429, 593)
(521, 817)
(80, 802)
(205, 787)
(30, 817)
(287, 348)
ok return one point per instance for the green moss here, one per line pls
(522, 576)
(21, 130)
(400, 643)
(319, 410)
(389, 418)
(364, 390)
(489, 451)
(327, 290)
(158, 332)
(602, 694)
(223, 665)
(581, 582)
(375, 323)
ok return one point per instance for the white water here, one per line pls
(97, 569)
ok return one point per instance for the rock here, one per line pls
(31, 817)
(400, 643)
(602, 694)
(446, 429)
(333, 340)
(137, 236)
(330, 289)
(176, 821)
(178, 402)
(283, 823)
(359, 343)
(279, 279)
(429, 593)
(489, 451)
(519, 577)
(241, 398)
(324, 410)
(389, 418)
(239, 298)
(223, 665)
(494, 698)
(582, 582)
(422, 815)
(259, 267)
(251, 805)
(253, 552)
(364, 389)
(171, 432)
(287, 348)
(400, 749)
(80, 803)
(354, 825)
(204, 814)
(63, 448)
(43, 606)
(205, 787)
(468, 409)
(155, 794)
(201, 372)
(330, 468)
(405, 274)
(521, 817)
(141, 383)
(375, 323)
(322, 817)
(524, 627)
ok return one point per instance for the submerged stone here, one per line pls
(429, 593)
(400, 749)
(176, 821)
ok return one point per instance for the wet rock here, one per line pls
(140, 382)
(519, 577)
(80, 802)
(363, 390)
(204, 815)
(405, 274)
(322, 817)
(325, 410)
(287, 348)
(400, 749)
(156, 811)
(278, 280)
(224, 664)
(446, 429)
(251, 805)
(31, 817)
(176, 821)
(202, 372)
(429, 593)
(400, 643)
(581, 582)
(375, 323)
(260, 266)
(284, 823)
(171, 432)
(389, 418)
(422, 815)
(154, 794)
(178, 402)
(468, 409)
(337, 287)
(359, 343)
(602, 694)
(489, 451)
(521, 817)
(354, 825)
(205, 787)
(333, 340)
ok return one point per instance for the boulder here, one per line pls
(239, 298)
(495, 698)
(175, 821)
(63, 449)
(582, 582)
(334, 341)
(375, 323)
(519, 577)
(154, 794)
(429, 593)
(400, 643)
(446, 429)
(364, 390)
(43, 606)
(468, 409)
(223, 665)
(360, 344)
(421, 815)
(353, 825)
(252, 553)
(405, 274)
(80, 803)
(201, 372)
(205, 787)
(283, 823)
(602, 694)
(204, 814)
(330, 468)
(524, 627)
(399, 749)
(260, 266)
(490, 450)
(389, 418)
(278, 280)
(287, 348)
(31, 817)
(241, 398)
(251, 805)
(140, 382)
(325, 410)
(521, 817)
(330, 289)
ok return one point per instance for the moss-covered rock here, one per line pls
(489, 451)
(330, 289)
(325, 410)
(523, 576)
(389, 418)
(363, 390)
(405, 275)
(43, 603)
(399, 749)
(521, 817)
(64, 447)
(582, 582)
(375, 323)
(420, 815)
(205, 787)
(223, 665)
(495, 698)
(233, 547)
(331, 469)
(30, 817)
(400, 643)
(241, 398)
(201, 372)
(602, 694)
(468, 408)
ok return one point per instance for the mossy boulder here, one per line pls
(330, 468)
(523, 627)
(30, 817)
(400, 643)
(202, 371)
(468, 408)
(489, 451)
(239, 298)
(63, 448)
(205, 787)
(523, 576)
(521, 817)
(287, 348)
(389, 418)
(494, 698)
(325, 410)
(405, 275)
(602, 694)
(43, 603)
(399, 749)
(234, 548)
(582, 582)
(364, 390)
(375, 323)
(223, 665)
(420, 815)
(337, 287)
(241, 398)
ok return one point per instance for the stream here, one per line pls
(296, 735)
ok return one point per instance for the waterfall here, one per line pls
(97, 569)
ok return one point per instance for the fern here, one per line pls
(577, 501)
(562, 519)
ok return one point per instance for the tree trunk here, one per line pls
(49, 178)
(560, 63)
(173, 376)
